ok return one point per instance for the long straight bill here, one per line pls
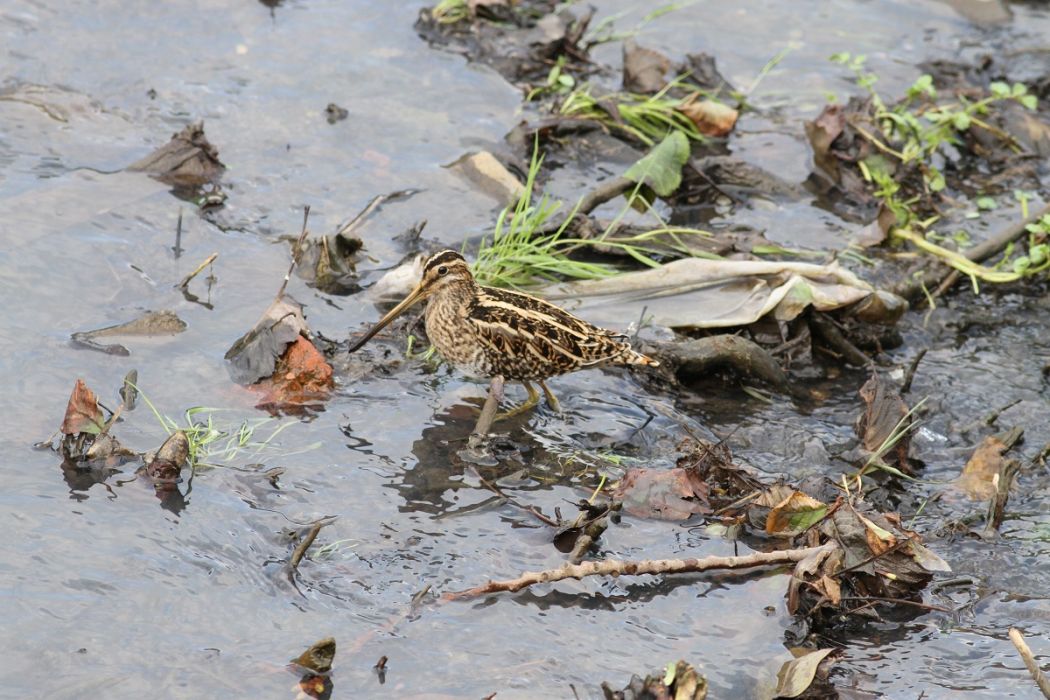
(407, 303)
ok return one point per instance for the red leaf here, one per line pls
(82, 412)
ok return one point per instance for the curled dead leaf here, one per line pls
(83, 414)
(797, 675)
(254, 355)
(710, 117)
(301, 376)
(794, 514)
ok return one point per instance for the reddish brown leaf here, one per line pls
(82, 412)
(822, 132)
(666, 494)
(302, 376)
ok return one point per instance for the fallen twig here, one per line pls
(349, 227)
(829, 332)
(997, 505)
(1029, 661)
(296, 250)
(616, 567)
(189, 278)
(304, 544)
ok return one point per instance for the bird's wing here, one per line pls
(528, 324)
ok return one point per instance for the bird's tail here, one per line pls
(631, 357)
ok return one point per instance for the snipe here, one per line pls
(494, 332)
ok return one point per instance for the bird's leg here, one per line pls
(552, 400)
(488, 411)
(529, 404)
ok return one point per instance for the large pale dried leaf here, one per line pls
(666, 494)
(710, 117)
(796, 513)
(644, 70)
(82, 412)
(661, 168)
(696, 293)
(797, 675)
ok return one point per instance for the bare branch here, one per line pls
(616, 567)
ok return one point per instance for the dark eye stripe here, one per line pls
(444, 257)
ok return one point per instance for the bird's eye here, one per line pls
(442, 270)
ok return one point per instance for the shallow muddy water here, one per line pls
(108, 592)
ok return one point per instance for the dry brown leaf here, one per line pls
(319, 656)
(82, 412)
(794, 514)
(711, 118)
(644, 70)
(797, 675)
(879, 539)
(883, 411)
(832, 589)
(822, 132)
(188, 159)
(666, 494)
(977, 478)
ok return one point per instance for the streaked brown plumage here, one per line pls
(491, 332)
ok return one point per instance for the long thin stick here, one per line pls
(296, 249)
(188, 278)
(616, 567)
(1029, 661)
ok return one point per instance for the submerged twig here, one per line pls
(616, 567)
(997, 505)
(910, 374)
(1029, 661)
(178, 236)
(829, 332)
